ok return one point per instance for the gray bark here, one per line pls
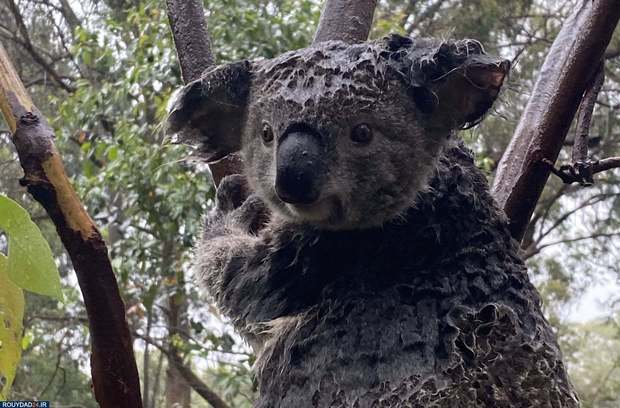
(345, 20)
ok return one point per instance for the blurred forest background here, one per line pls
(102, 72)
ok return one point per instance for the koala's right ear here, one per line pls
(209, 112)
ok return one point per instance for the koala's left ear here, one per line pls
(469, 90)
(454, 82)
(210, 112)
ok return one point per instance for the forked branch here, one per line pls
(582, 169)
(522, 172)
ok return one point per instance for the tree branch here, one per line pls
(67, 12)
(188, 374)
(584, 115)
(587, 203)
(428, 13)
(570, 240)
(563, 78)
(113, 366)
(191, 38)
(29, 47)
(193, 46)
(345, 20)
(582, 172)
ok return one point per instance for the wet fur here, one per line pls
(423, 312)
(411, 293)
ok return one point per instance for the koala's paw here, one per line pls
(252, 216)
(231, 193)
(242, 210)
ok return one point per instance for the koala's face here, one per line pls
(334, 139)
(341, 136)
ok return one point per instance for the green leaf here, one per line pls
(31, 264)
(11, 328)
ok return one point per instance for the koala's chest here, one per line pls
(407, 343)
(318, 270)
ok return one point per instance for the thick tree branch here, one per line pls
(113, 367)
(191, 38)
(563, 78)
(193, 46)
(345, 20)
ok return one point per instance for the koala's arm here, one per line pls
(226, 258)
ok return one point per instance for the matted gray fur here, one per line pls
(389, 279)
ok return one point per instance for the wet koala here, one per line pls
(360, 252)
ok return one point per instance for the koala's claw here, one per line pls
(231, 193)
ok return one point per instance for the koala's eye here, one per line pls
(361, 134)
(267, 133)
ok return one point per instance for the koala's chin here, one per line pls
(326, 213)
(335, 213)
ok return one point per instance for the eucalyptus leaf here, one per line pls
(30, 262)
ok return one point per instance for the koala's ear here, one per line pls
(209, 113)
(455, 83)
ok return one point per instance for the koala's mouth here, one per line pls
(326, 212)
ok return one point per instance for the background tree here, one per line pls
(103, 71)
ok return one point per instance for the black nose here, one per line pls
(300, 168)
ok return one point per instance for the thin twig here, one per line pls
(537, 250)
(570, 173)
(19, 19)
(584, 115)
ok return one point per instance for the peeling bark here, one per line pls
(114, 371)
(345, 20)
(570, 64)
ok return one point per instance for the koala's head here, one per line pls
(340, 136)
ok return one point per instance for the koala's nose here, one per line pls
(300, 168)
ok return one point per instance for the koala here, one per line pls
(360, 252)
